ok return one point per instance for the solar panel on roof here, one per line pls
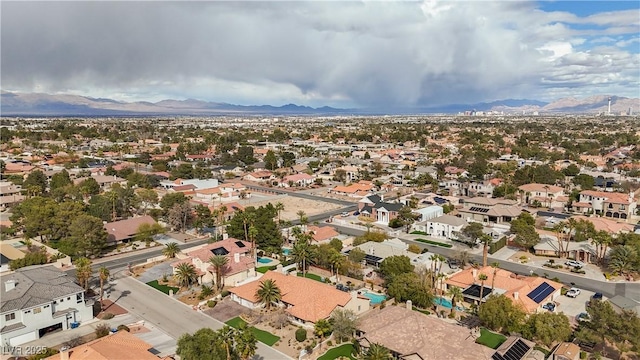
(220, 251)
(541, 292)
(479, 209)
(240, 244)
(439, 200)
(372, 258)
(517, 351)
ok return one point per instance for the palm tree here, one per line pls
(337, 260)
(495, 266)
(456, 296)
(245, 342)
(571, 226)
(463, 257)
(485, 239)
(219, 263)
(602, 239)
(279, 208)
(83, 272)
(170, 250)
(377, 352)
(103, 273)
(322, 328)
(247, 220)
(344, 324)
(253, 232)
(482, 278)
(185, 274)
(559, 229)
(622, 259)
(268, 293)
(303, 252)
(302, 216)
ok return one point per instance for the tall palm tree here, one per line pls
(482, 278)
(186, 274)
(303, 252)
(622, 259)
(253, 233)
(103, 273)
(170, 250)
(245, 342)
(279, 208)
(572, 224)
(268, 293)
(222, 211)
(219, 263)
(337, 260)
(559, 229)
(495, 266)
(377, 352)
(602, 239)
(485, 239)
(247, 220)
(83, 271)
(456, 296)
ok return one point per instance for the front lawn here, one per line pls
(335, 353)
(312, 277)
(489, 339)
(164, 288)
(264, 269)
(262, 336)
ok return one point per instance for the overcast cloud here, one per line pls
(365, 54)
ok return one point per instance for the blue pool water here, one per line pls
(263, 260)
(375, 298)
(443, 302)
(286, 251)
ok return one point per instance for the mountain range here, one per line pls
(37, 104)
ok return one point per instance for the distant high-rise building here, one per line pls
(609, 112)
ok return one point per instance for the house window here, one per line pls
(610, 206)
(622, 207)
(37, 310)
(46, 306)
(27, 312)
(10, 317)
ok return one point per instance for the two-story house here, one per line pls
(488, 210)
(38, 299)
(607, 204)
(545, 194)
(382, 212)
(10, 194)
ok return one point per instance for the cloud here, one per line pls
(370, 54)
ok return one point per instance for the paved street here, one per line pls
(171, 316)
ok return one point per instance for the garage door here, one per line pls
(21, 339)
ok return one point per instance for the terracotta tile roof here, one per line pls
(568, 350)
(309, 300)
(121, 345)
(610, 226)
(124, 229)
(297, 177)
(551, 189)
(322, 233)
(612, 197)
(244, 262)
(409, 332)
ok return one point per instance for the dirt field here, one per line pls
(294, 204)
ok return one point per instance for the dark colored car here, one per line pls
(549, 306)
(596, 296)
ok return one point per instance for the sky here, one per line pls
(349, 54)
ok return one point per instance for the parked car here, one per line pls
(345, 213)
(573, 292)
(596, 296)
(574, 263)
(549, 306)
(583, 317)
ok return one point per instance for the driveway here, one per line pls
(574, 306)
(226, 310)
(156, 272)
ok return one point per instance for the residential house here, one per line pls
(192, 184)
(305, 300)
(444, 226)
(607, 204)
(105, 181)
(488, 210)
(8, 253)
(115, 346)
(382, 212)
(517, 348)
(299, 180)
(528, 292)
(411, 335)
(124, 230)
(545, 194)
(240, 265)
(429, 212)
(322, 234)
(583, 251)
(376, 252)
(260, 176)
(359, 189)
(480, 188)
(35, 300)
(565, 351)
(10, 194)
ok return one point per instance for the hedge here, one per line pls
(495, 246)
(434, 243)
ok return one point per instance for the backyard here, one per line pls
(262, 336)
(337, 352)
(312, 277)
(489, 339)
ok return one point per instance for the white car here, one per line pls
(573, 292)
(574, 263)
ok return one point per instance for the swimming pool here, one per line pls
(375, 298)
(286, 251)
(443, 302)
(264, 260)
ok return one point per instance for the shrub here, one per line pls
(107, 316)
(211, 303)
(301, 334)
(224, 293)
(434, 243)
(124, 327)
(102, 330)
(583, 355)
(329, 343)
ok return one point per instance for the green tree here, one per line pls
(245, 154)
(356, 255)
(268, 293)
(604, 323)
(395, 265)
(456, 297)
(169, 200)
(547, 328)
(226, 343)
(571, 170)
(88, 235)
(270, 160)
(89, 187)
(35, 217)
(262, 218)
(407, 217)
(336, 244)
(409, 286)
(147, 231)
(60, 180)
(499, 313)
(321, 329)
(83, 271)
(377, 352)
(623, 259)
(35, 183)
(103, 274)
(472, 232)
(584, 181)
(148, 198)
(303, 253)
(170, 250)
(185, 274)
(219, 263)
(344, 323)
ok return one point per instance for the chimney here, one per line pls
(409, 305)
(9, 285)
(516, 295)
(475, 273)
(236, 257)
(64, 353)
